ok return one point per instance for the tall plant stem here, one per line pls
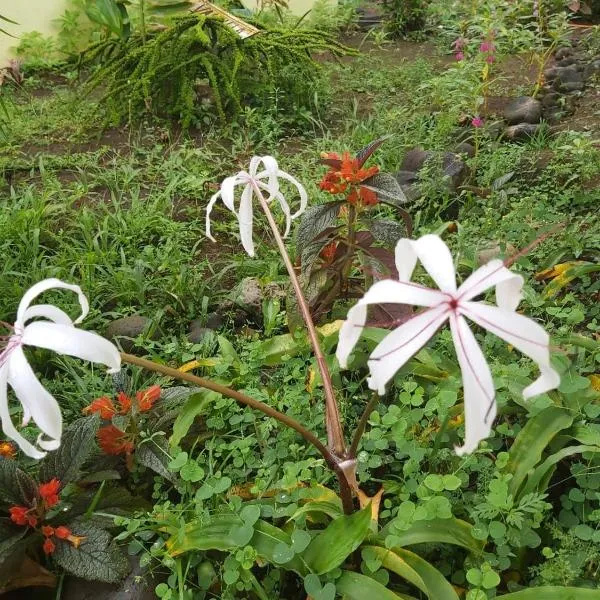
(335, 434)
(360, 428)
(238, 397)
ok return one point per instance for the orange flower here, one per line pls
(328, 252)
(49, 546)
(47, 531)
(363, 195)
(62, 532)
(114, 441)
(20, 516)
(7, 450)
(102, 406)
(147, 398)
(49, 492)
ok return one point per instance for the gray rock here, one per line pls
(551, 99)
(406, 177)
(465, 148)
(214, 320)
(563, 52)
(130, 327)
(523, 109)
(567, 78)
(249, 296)
(274, 290)
(567, 61)
(591, 69)
(554, 114)
(522, 131)
(199, 334)
(455, 169)
(415, 159)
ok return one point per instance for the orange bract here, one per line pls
(49, 492)
(102, 406)
(7, 450)
(114, 441)
(147, 398)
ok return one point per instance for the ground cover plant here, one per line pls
(256, 443)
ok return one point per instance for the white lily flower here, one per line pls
(266, 180)
(56, 332)
(450, 303)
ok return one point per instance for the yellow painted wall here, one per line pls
(31, 15)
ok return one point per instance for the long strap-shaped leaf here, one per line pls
(553, 593)
(354, 586)
(243, 29)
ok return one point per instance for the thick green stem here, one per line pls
(335, 433)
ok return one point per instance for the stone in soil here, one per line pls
(566, 78)
(415, 159)
(214, 320)
(563, 53)
(523, 109)
(522, 131)
(198, 333)
(249, 296)
(465, 148)
(551, 99)
(591, 69)
(130, 327)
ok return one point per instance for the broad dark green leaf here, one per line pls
(331, 547)
(16, 487)
(314, 221)
(387, 188)
(196, 404)
(97, 558)
(13, 544)
(529, 445)
(154, 454)
(386, 231)
(76, 446)
(364, 153)
(392, 561)
(354, 586)
(553, 593)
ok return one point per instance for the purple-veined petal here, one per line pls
(48, 284)
(434, 256)
(209, 208)
(382, 292)
(403, 343)
(522, 333)
(7, 425)
(508, 285)
(66, 339)
(49, 312)
(479, 391)
(245, 220)
(41, 405)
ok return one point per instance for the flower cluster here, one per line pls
(7, 450)
(488, 48)
(31, 516)
(346, 175)
(112, 439)
(458, 47)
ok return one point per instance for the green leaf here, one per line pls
(526, 451)
(438, 587)
(195, 405)
(272, 350)
(13, 544)
(438, 531)
(77, 444)
(354, 586)
(386, 232)
(387, 188)
(539, 479)
(154, 454)
(331, 547)
(97, 558)
(392, 561)
(314, 221)
(553, 593)
(16, 487)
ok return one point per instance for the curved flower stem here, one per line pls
(335, 433)
(360, 428)
(238, 397)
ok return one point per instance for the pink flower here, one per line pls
(459, 56)
(459, 44)
(477, 122)
(490, 59)
(486, 47)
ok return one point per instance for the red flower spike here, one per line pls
(328, 252)
(47, 531)
(114, 441)
(49, 546)
(124, 402)
(147, 398)
(49, 492)
(62, 532)
(102, 406)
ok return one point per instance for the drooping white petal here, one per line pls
(508, 285)
(479, 392)
(48, 284)
(49, 312)
(382, 292)
(401, 344)
(66, 339)
(227, 190)
(245, 220)
(7, 425)
(521, 332)
(434, 256)
(209, 207)
(301, 191)
(285, 207)
(41, 405)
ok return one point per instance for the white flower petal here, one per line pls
(7, 425)
(209, 208)
(387, 291)
(479, 391)
(301, 191)
(434, 256)
(48, 284)
(40, 404)
(521, 332)
(401, 344)
(245, 220)
(508, 285)
(227, 190)
(66, 339)
(49, 312)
